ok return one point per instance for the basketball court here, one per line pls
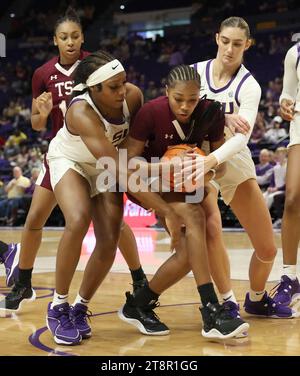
(25, 333)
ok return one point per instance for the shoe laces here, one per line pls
(232, 308)
(218, 310)
(282, 286)
(64, 317)
(81, 314)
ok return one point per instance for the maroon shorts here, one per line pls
(43, 179)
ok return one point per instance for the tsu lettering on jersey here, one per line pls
(57, 79)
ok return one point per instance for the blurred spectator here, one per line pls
(264, 169)
(16, 187)
(278, 177)
(275, 134)
(259, 129)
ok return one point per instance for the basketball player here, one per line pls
(51, 87)
(288, 291)
(180, 117)
(87, 135)
(227, 80)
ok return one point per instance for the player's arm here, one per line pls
(220, 169)
(249, 98)
(41, 102)
(40, 110)
(134, 99)
(290, 85)
(249, 101)
(83, 121)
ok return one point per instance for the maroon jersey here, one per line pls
(53, 77)
(154, 124)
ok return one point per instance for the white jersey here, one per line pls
(241, 95)
(69, 146)
(290, 90)
(291, 78)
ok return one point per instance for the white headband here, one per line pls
(101, 74)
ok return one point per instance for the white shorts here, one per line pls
(239, 168)
(59, 166)
(295, 130)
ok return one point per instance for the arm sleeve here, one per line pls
(231, 147)
(143, 124)
(249, 98)
(37, 83)
(290, 80)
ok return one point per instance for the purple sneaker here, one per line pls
(287, 291)
(60, 325)
(232, 308)
(79, 315)
(11, 263)
(268, 308)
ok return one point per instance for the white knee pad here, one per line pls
(263, 261)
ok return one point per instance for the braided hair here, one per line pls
(183, 73)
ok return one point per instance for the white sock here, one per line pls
(290, 271)
(256, 296)
(81, 300)
(229, 296)
(58, 299)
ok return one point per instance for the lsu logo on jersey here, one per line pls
(228, 107)
(119, 136)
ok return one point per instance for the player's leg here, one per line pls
(20, 257)
(192, 253)
(73, 196)
(250, 208)
(107, 218)
(289, 289)
(128, 247)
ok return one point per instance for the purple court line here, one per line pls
(34, 338)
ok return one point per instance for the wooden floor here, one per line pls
(25, 333)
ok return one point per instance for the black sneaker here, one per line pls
(16, 297)
(139, 284)
(142, 318)
(218, 322)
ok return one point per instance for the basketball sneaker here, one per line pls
(219, 323)
(232, 308)
(142, 317)
(10, 259)
(61, 326)
(139, 284)
(267, 307)
(80, 315)
(287, 291)
(18, 295)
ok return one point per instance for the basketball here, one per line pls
(177, 151)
